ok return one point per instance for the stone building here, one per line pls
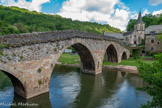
(151, 35)
(135, 37)
(153, 39)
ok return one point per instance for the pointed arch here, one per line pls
(124, 56)
(86, 56)
(111, 54)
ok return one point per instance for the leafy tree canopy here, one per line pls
(152, 73)
(18, 20)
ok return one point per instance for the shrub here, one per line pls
(152, 73)
(39, 70)
(39, 82)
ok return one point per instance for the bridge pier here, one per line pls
(37, 77)
(95, 71)
(29, 78)
(90, 71)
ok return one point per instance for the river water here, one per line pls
(69, 88)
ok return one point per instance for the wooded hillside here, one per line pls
(18, 20)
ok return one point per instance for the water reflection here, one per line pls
(71, 88)
(41, 101)
(64, 86)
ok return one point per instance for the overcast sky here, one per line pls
(113, 12)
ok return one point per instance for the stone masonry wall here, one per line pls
(156, 46)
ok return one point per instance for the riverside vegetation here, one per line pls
(152, 73)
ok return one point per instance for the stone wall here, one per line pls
(153, 44)
(135, 36)
(17, 40)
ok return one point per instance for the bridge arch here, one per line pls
(87, 61)
(17, 84)
(124, 56)
(111, 53)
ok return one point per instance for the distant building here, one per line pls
(132, 38)
(153, 43)
(67, 50)
(135, 37)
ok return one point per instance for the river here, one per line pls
(70, 88)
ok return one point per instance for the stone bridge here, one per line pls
(29, 59)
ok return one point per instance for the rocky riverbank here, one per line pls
(129, 69)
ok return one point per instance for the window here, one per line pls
(135, 42)
(158, 43)
(134, 35)
(152, 41)
(127, 38)
(152, 32)
(143, 51)
(152, 48)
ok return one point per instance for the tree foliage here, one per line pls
(148, 19)
(131, 24)
(18, 20)
(152, 73)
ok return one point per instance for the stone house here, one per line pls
(153, 42)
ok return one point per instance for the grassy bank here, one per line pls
(67, 58)
(129, 62)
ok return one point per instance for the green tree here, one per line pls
(152, 73)
(21, 27)
(131, 24)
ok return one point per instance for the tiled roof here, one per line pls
(128, 33)
(115, 35)
(153, 28)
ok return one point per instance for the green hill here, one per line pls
(17, 20)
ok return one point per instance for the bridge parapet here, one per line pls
(17, 40)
